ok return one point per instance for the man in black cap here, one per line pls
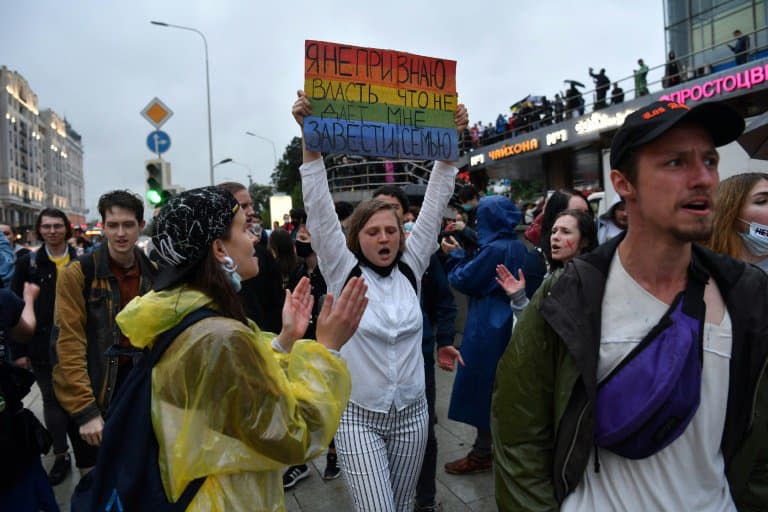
(688, 436)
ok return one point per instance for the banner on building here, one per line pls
(367, 101)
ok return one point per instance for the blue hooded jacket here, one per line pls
(489, 317)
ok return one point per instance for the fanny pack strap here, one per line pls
(693, 302)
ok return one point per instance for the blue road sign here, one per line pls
(158, 141)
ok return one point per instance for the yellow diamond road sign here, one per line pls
(157, 113)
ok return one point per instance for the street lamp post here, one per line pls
(274, 150)
(231, 161)
(207, 86)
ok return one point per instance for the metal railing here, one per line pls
(371, 174)
(688, 71)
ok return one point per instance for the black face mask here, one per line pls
(303, 249)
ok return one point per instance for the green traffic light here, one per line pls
(154, 197)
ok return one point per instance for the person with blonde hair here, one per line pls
(740, 226)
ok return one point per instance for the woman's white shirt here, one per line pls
(384, 355)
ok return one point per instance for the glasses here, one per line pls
(49, 227)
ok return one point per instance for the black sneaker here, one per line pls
(61, 468)
(332, 470)
(435, 507)
(293, 474)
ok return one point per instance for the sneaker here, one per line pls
(61, 468)
(469, 464)
(293, 474)
(434, 507)
(332, 470)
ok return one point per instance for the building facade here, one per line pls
(41, 157)
(699, 31)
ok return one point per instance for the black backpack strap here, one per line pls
(408, 273)
(88, 266)
(158, 349)
(404, 269)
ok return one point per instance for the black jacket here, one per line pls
(42, 273)
(573, 310)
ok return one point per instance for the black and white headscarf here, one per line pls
(189, 223)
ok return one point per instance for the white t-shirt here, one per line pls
(689, 474)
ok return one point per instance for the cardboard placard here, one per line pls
(367, 101)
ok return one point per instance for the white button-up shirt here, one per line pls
(384, 355)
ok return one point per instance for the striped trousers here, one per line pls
(381, 455)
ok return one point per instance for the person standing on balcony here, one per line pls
(602, 83)
(741, 48)
(617, 94)
(641, 79)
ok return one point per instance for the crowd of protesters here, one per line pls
(535, 112)
(259, 349)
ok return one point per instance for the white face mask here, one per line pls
(756, 239)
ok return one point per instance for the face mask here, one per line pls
(303, 249)
(756, 240)
(256, 226)
(467, 207)
(230, 269)
(408, 226)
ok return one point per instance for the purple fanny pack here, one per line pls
(649, 399)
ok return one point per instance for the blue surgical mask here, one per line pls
(230, 269)
(408, 226)
(467, 207)
(756, 239)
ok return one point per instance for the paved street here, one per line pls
(465, 493)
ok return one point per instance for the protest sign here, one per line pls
(367, 101)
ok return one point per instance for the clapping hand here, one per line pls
(297, 312)
(507, 281)
(339, 318)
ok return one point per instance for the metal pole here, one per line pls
(207, 88)
(274, 150)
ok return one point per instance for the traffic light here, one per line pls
(157, 194)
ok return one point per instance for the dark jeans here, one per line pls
(56, 418)
(425, 488)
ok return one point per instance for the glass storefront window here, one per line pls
(676, 10)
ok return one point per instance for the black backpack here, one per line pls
(127, 472)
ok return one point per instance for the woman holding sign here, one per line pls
(383, 431)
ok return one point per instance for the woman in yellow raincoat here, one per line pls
(229, 402)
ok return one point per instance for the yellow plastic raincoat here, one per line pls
(227, 406)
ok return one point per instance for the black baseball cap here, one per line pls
(642, 126)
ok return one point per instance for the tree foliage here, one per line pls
(260, 197)
(286, 177)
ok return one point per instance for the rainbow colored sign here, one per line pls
(367, 101)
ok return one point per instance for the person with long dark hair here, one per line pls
(564, 199)
(230, 402)
(573, 234)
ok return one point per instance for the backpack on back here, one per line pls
(127, 473)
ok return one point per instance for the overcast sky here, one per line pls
(98, 63)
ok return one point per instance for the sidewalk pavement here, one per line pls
(456, 493)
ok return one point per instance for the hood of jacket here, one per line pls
(149, 315)
(497, 217)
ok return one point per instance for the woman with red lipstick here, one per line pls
(383, 431)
